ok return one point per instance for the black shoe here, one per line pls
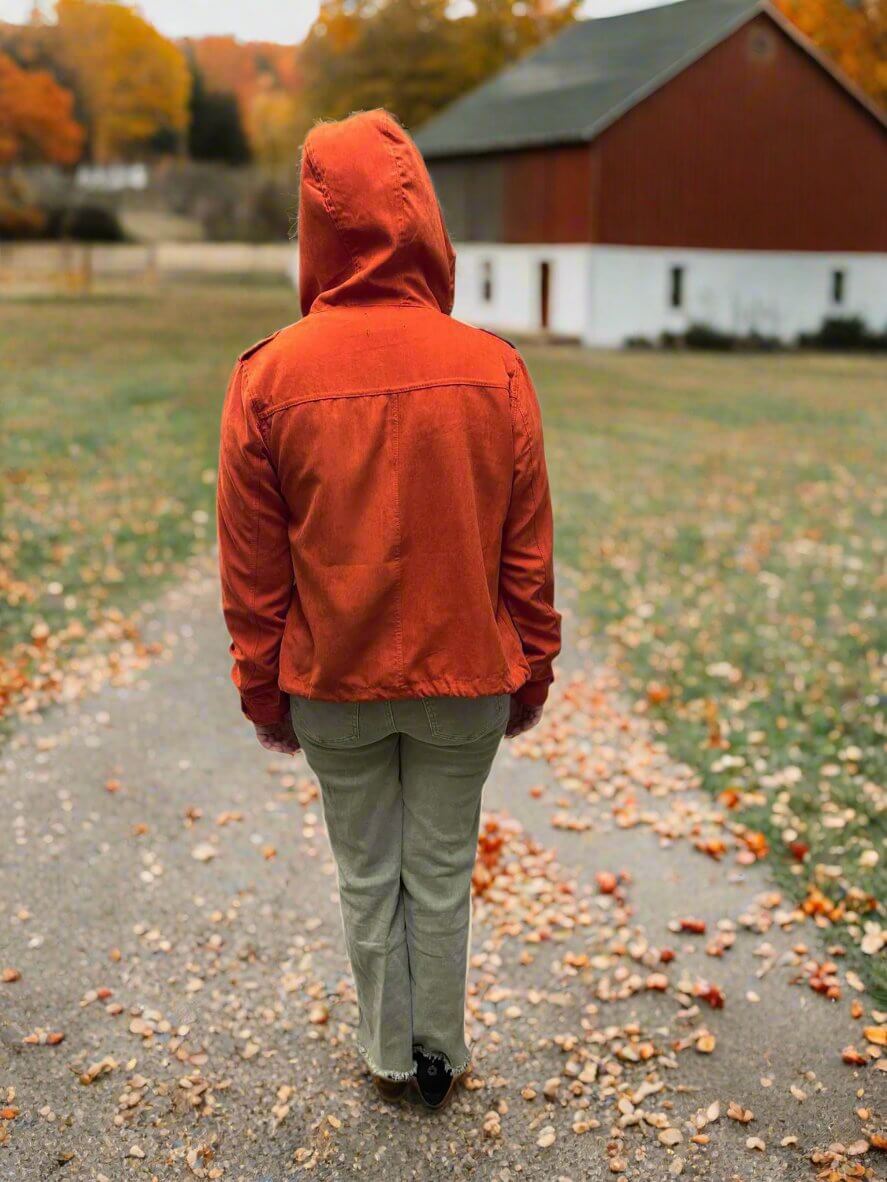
(435, 1081)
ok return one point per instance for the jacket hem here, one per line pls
(434, 687)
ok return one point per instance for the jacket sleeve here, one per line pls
(254, 556)
(527, 570)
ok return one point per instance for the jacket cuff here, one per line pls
(266, 709)
(533, 693)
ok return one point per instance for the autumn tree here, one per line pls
(853, 36)
(277, 127)
(227, 66)
(498, 31)
(266, 80)
(412, 56)
(36, 117)
(132, 84)
(215, 127)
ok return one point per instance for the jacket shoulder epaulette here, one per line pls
(247, 353)
(499, 337)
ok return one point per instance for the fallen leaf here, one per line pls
(547, 1137)
(737, 1112)
(96, 1070)
(690, 924)
(713, 995)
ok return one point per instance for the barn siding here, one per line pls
(470, 192)
(753, 147)
(541, 195)
(547, 195)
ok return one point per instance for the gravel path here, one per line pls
(176, 1003)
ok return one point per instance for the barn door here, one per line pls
(544, 293)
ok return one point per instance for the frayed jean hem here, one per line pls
(396, 1076)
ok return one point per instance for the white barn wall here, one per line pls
(772, 292)
(604, 294)
(514, 305)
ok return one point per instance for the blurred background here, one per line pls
(679, 212)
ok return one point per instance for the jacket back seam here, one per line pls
(381, 393)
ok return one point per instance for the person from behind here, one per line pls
(385, 538)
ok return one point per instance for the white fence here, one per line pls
(77, 266)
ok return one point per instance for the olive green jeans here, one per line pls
(401, 783)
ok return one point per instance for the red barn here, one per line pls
(700, 162)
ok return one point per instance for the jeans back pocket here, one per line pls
(461, 720)
(328, 724)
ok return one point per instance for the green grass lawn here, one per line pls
(726, 517)
(723, 513)
(110, 419)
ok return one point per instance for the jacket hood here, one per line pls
(370, 227)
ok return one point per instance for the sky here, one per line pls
(261, 20)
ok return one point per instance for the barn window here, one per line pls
(676, 287)
(486, 281)
(838, 287)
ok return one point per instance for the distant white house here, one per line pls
(112, 178)
(695, 163)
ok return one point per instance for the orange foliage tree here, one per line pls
(853, 36)
(131, 82)
(36, 119)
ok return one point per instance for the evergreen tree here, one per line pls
(215, 130)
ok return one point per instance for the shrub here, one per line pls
(20, 221)
(705, 337)
(843, 334)
(85, 223)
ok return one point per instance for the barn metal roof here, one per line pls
(582, 80)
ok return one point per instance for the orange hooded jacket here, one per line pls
(383, 507)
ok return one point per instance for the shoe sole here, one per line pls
(394, 1094)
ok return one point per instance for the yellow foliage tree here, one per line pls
(854, 36)
(415, 56)
(132, 83)
(276, 126)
